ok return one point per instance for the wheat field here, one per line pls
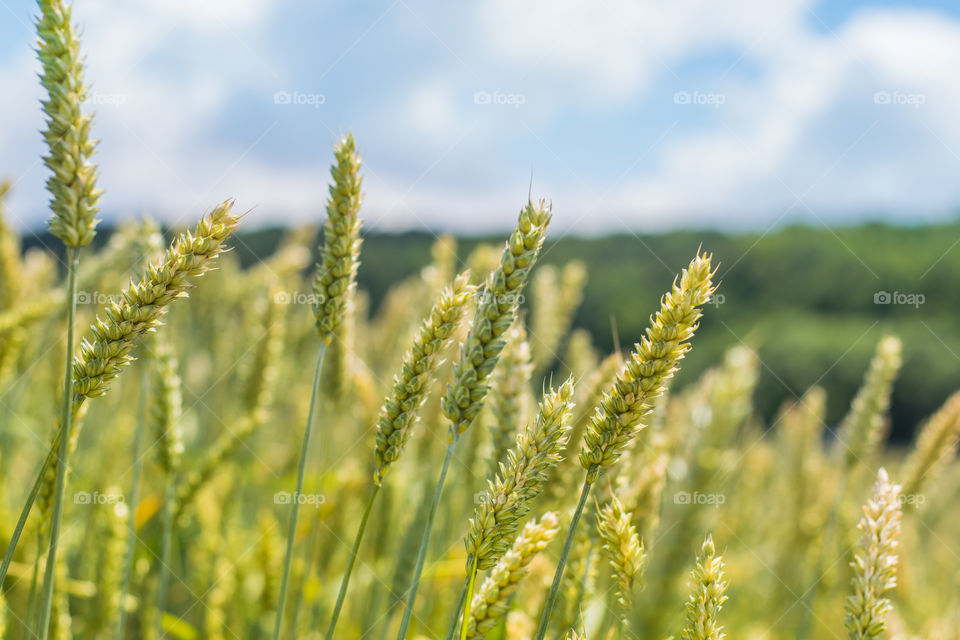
(194, 449)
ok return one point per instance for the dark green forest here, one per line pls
(803, 297)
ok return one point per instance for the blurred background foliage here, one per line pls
(803, 297)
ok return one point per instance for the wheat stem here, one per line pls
(567, 544)
(166, 539)
(425, 540)
(134, 500)
(455, 618)
(345, 581)
(471, 582)
(24, 514)
(34, 580)
(66, 416)
(295, 503)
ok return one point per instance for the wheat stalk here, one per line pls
(510, 392)
(166, 416)
(519, 481)
(490, 603)
(936, 446)
(479, 353)
(411, 384)
(112, 339)
(340, 252)
(333, 288)
(399, 411)
(858, 439)
(74, 196)
(860, 432)
(709, 594)
(875, 561)
(72, 184)
(110, 575)
(521, 478)
(495, 313)
(624, 551)
(621, 411)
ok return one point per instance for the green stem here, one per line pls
(584, 579)
(425, 540)
(66, 418)
(315, 541)
(295, 501)
(34, 579)
(567, 544)
(165, 545)
(134, 501)
(345, 581)
(471, 582)
(452, 631)
(24, 514)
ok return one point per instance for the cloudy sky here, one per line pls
(625, 113)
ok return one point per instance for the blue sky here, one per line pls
(626, 114)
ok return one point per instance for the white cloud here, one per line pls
(798, 116)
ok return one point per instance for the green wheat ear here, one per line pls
(862, 428)
(709, 594)
(520, 479)
(492, 601)
(875, 561)
(410, 385)
(495, 313)
(935, 448)
(73, 183)
(624, 551)
(620, 414)
(340, 253)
